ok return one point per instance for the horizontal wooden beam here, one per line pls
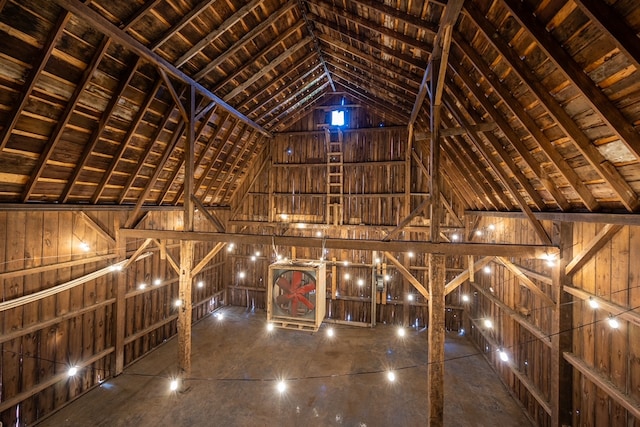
(464, 276)
(623, 399)
(590, 217)
(616, 310)
(56, 266)
(478, 249)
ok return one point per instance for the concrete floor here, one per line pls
(339, 381)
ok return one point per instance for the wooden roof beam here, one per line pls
(273, 122)
(525, 119)
(612, 24)
(273, 64)
(316, 45)
(591, 248)
(539, 229)
(370, 75)
(287, 88)
(400, 15)
(140, 13)
(602, 166)
(64, 119)
(260, 59)
(592, 94)
(477, 249)
(512, 137)
(243, 170)
(229, 173)
(299, 92)
(502, 153)
(224, 26)
(183, 22)
(103, 25)
(295, 116)
(381, 105)
(309, 62)
(232, 50)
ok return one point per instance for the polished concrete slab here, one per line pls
(330, 381)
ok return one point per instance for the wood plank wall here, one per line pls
(42, 339)
(522, 323)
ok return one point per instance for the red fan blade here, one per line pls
(305, 302)
(283, 283)
(296, 279)
(306, 289)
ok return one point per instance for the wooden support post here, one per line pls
(184, 310)
(120, 283)
(186, 246)
(561, 337)
(436, 339)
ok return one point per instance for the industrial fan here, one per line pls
(296, 295)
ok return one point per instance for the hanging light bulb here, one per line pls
(488, 323)
(613, 322)
(503, 355)
(593, 303)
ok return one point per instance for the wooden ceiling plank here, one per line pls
(592, 94)
(407, 275)
(513, 138)
(273, 64)
(602, 238)
(30, 81)
(375, 103)
(524, 207)
(202, 155)
(302, 111)
(117, 156)
(140, 13)
(97, 132)
(64, 119)
(103, 25)
(233, 50)
(224, 26)
(380, 82)
(611, 23)
(525, 119)
(398, 100)
(597, 161)
(401, 15)
(183, 22)
(159, 167)
(251, 156)
(400, 246)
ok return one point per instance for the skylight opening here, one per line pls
(337, 118)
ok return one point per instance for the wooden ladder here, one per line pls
(335, 177)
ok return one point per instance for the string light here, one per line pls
(391, 376)
(157, 282)
(360, 282)
(345, 263)
(455, 237)
(270, 327)
(410, 254)
(503, 355)
(282, 386)
(487, 269)
(410, 297)
(492, 227)
(142, 286)
(330, 332)
(85, 246)
(72, 371)
(465, 298)
(347, 276)
(387, 277)
(200, 284)
(220, 316)
(488, 323)
(318, 233)
(377, 260)
(478, 232)
(242, 275)
(178, 303)
(401, 332)
(258, 253)
(173, 386)
(115, 268)
(593, 303)
(253, 258)
(613, 322)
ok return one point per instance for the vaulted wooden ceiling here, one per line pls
(542, 97)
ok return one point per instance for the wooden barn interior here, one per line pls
(457, 166)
